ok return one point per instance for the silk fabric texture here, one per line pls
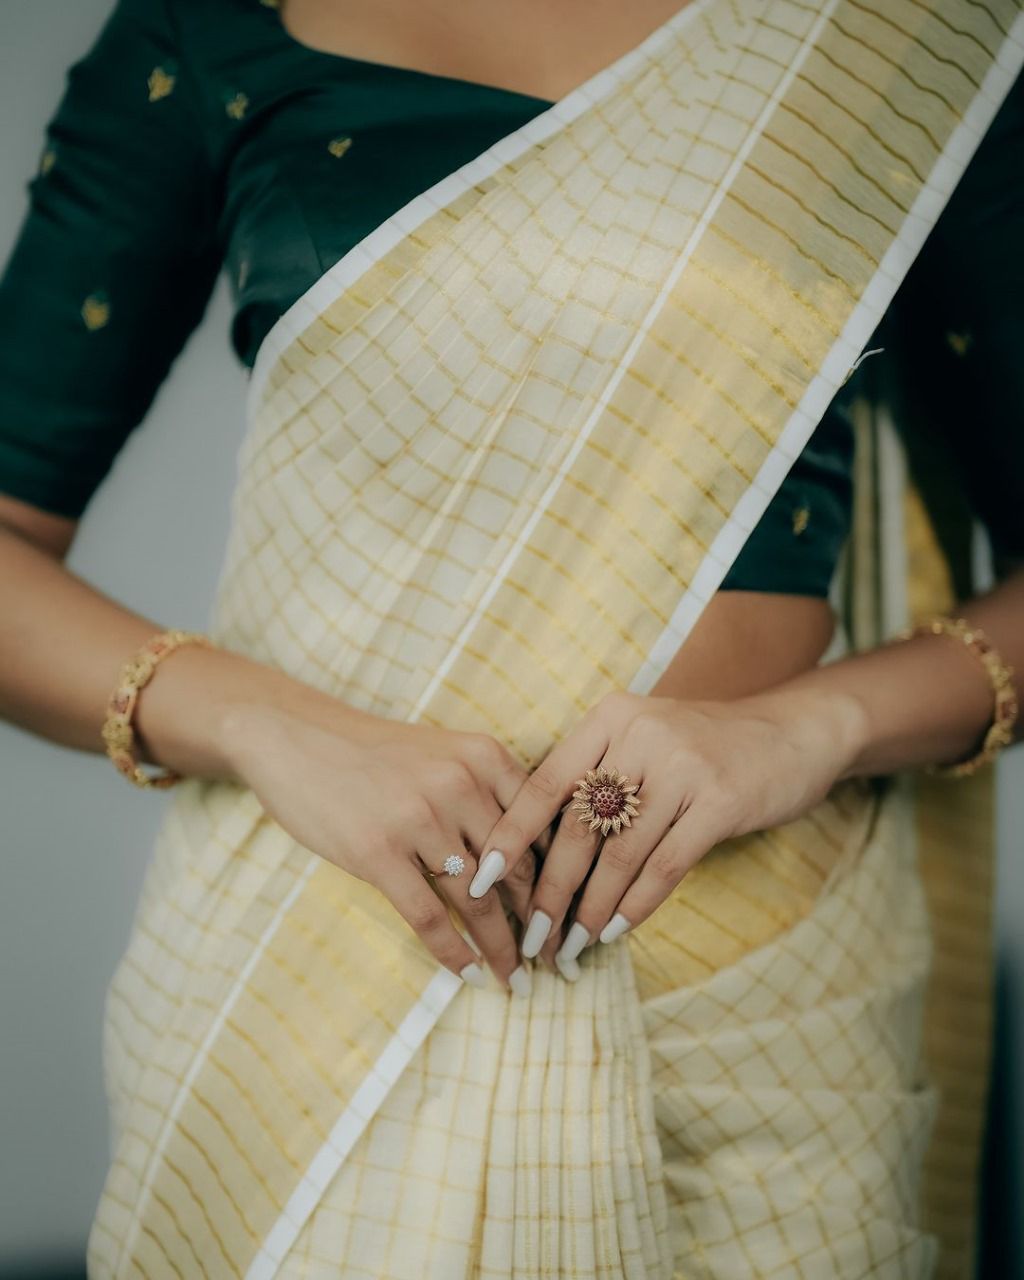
(498, 460)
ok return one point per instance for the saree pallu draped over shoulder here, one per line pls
(498, 459)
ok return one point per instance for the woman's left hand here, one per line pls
(705, 771)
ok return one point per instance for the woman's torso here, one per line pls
(304, 151)
(393, 116)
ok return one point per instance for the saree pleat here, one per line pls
(791, 1110)
(498, 460)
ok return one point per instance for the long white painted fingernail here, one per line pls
(536, 934)
(615, 927)
(567, 967)
(474, 975)
(486, 873)
(520, 981)
(575, 941)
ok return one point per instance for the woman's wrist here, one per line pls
(822, 718)
(206, 709)
(902, 705)
(255, 725)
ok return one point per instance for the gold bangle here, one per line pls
(117, 730)
(1000, 673)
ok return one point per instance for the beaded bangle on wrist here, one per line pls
(1000, 673)
(117, 729)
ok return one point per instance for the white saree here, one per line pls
(498, 459)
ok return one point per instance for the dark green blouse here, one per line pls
(197, 136)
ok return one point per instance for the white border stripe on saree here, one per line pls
(924, 212)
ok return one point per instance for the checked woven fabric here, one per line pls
(498, 459)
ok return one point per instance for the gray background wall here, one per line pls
(74, 838)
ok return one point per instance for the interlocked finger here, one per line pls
(444, 854)
(620, 861)
(478, 820)
(605, 805)
(517, 887)
(565, 868)
(406, 888)
(698, 830)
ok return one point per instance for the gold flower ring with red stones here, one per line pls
(605, 798)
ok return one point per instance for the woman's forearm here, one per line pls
(62, 644)
(927, 700)
(378, 798)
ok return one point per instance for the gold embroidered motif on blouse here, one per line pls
(801, 517)
(96, 311)
(338, 146)
(160, 83)
(960, 342)
(235, 107)
(47, 160)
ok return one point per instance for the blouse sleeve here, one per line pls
(113, 265)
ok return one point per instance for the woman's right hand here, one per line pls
(386, 801)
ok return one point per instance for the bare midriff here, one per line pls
(746, 641)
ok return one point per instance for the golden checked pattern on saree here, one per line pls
(498, 459)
